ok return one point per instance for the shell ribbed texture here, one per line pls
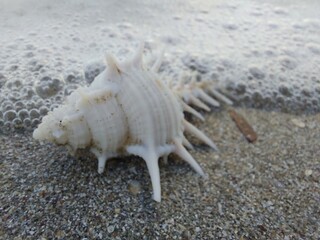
(141, 95)
(105, 120)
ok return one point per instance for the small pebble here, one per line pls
(308, 172)
(110, 229)
(134, 187)
(298, 123)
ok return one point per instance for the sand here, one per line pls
(266, 190)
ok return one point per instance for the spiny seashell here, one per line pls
(127, 109)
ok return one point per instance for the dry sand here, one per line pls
(266, 190)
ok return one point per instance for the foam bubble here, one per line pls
(314, 48)
(288, 62)
(257, 72)
(9, 115)
(23, 114)
(34, 114)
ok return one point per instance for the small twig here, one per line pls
(243, 126)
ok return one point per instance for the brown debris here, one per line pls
(243, 126)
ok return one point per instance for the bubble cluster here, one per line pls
(23, 113)
(260, 55)
(48, 86)
(31, 88)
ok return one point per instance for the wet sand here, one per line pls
(266, 190)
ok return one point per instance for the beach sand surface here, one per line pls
(264, 190)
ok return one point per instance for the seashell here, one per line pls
(128, 110)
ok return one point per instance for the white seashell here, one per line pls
(127, 109)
